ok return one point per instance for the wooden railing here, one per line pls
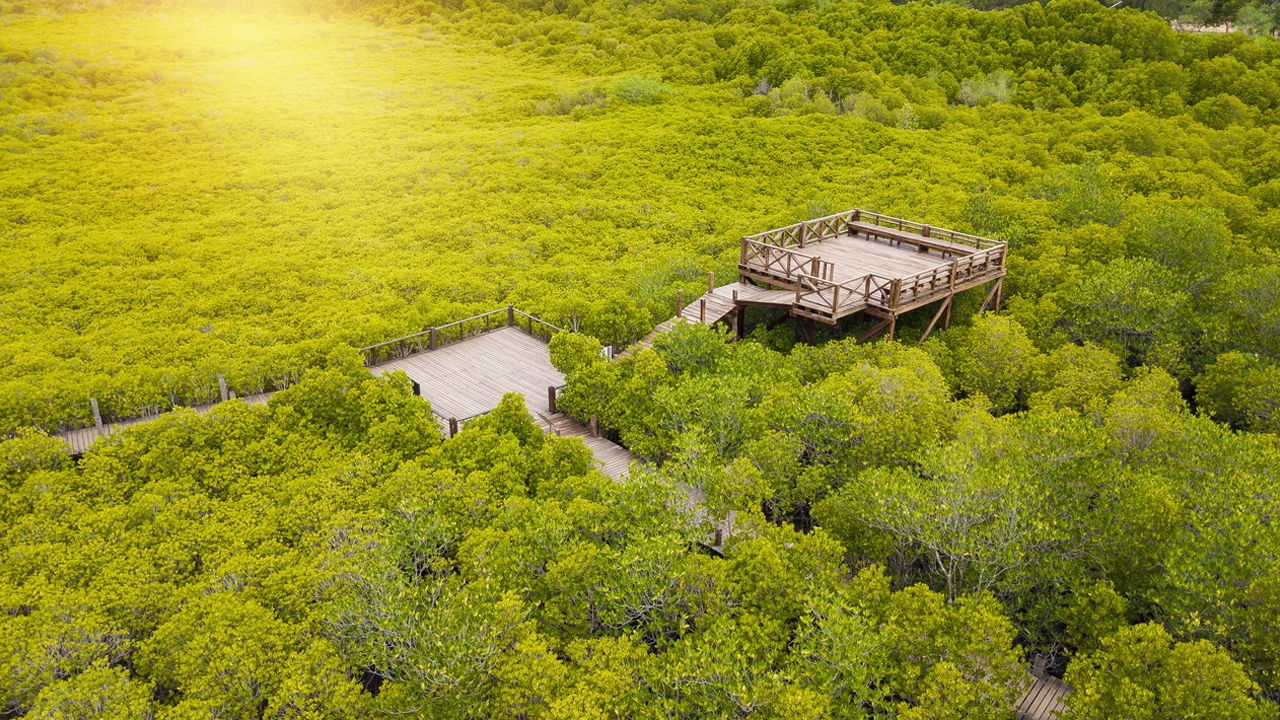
(822, 296)
(802, 234)
(943, 280)
(781, 263)
(457, 331)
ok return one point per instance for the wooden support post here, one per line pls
(807, 327)
(999, 292)
(893, 297)
(926, 230)
(97, 416)
(232, 394)
(679, 302)
(893, 325)
(511, 316)
(530, 322)
(222, 388)
(702, 310)
(804, 234)
(945, 306)
(857, 215)
(453, 427)
(431, 339)
(737, 322)
(711, 281)
(719, 541)
(551, 399)
(594, 427)
(835, 302)
(990, 295)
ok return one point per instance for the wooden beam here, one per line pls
(945, 306)
(875, 329)
(994, 289)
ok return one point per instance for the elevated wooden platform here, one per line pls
(863, 262)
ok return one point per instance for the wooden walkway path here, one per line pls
(1043, 701)
(461, 380)
(82, 438)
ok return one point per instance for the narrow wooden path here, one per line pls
(461, 380)
(1043, 701)
(80, 439)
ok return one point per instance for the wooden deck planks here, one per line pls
(857, 256)
(470, 377)
(1043, 701)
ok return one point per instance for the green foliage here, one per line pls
(1139, 672)
(573, 352)
(204, 192)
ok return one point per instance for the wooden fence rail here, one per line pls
(801, 234)
(457, 331)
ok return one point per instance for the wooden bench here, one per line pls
(902, 236)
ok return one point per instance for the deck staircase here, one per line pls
(715, 305)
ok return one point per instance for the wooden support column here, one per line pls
(679, 302)
(893, 325)
(551, 399)
(97, 416)
(594, 428)
(999, 292)
(222, 388)
(453, 427)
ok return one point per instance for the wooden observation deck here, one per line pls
(863, 262)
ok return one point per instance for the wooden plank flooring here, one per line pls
(857, 256)
(470, 377)
(1044, 700)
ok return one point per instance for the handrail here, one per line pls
(824, 228)
(438, 335)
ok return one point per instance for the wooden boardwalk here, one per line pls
(1043, 701)
(461, 380)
